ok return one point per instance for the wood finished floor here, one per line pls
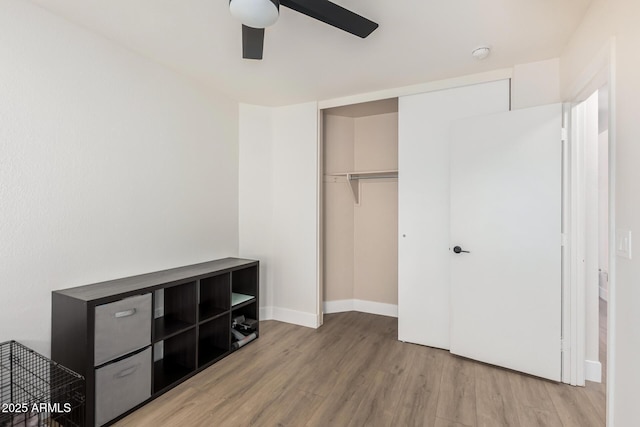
(354, 372)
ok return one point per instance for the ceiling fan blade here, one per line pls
(252, 42)
(332, 14)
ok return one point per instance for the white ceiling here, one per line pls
(417, 41)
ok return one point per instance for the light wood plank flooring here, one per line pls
(354, 372)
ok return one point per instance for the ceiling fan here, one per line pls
(256, 15)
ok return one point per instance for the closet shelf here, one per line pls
(353, 179)
(392, 173)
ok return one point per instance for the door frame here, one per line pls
(601, 71)
(574, 244)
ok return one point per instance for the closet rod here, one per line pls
(353, 177)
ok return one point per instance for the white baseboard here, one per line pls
(373, 307)
(310, 320)
(593, 371)
(266, 313)
(339, 306)
(363, 306)
(604, 294)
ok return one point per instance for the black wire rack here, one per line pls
(36, 391)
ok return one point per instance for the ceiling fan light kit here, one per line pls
(256, 15)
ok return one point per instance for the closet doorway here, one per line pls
(360, 208)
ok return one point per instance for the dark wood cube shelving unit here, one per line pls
(179, 310)
(215, 296)
(178, 361)
(214, 339)
(191, 310)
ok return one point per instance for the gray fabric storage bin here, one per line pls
(122, 385)
(122, 327)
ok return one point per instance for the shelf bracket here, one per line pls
(354, 185)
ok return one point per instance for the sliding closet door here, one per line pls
(423, 204)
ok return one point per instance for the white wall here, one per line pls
(295, 212)
(279, 206)
(535, 83)
(605, 19)
(255, 193)
(109, 166)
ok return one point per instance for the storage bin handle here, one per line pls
(125, 313)
(126, 372)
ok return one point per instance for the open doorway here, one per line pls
(589, 229)
(598, 269)
(360, 208)
(595, 143)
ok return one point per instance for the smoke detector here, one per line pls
(481, 52)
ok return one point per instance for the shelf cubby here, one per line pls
(178, 360)
(214, 296)
(214, 339)
(249, 311)
(178, 311)
(239, 300)
(245, 281)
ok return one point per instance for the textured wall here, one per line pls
(110, 166)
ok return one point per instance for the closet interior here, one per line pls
(360, 207)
